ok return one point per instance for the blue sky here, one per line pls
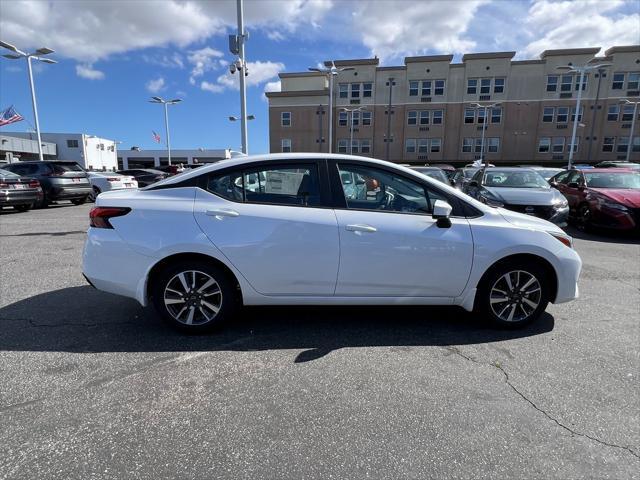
(114, 54)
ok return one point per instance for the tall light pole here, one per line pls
(351, 110)
(391, 82)
(484, 127)
(582, 70)
(166, 103)
(624, 101)
(236, 47)
(37, 55)
(331, 72)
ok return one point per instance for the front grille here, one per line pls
(541, 211)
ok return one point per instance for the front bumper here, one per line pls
(623, 220)
(550, 213)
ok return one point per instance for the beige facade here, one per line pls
(432, 118)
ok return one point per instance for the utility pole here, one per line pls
(390, 83)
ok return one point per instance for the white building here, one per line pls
(154, 158)
(90, 151)
(13, 149)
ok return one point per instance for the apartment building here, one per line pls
(426, 110)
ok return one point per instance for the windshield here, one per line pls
(8, 174)
(613, 180)
(514, 179)
(547, 173)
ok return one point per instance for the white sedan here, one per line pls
(106, 181)
(314, 229)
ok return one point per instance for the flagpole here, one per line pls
(35, 109)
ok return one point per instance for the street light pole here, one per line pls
(484, 127)
(37, 55)
(242, 72)
(331, 72)
(166, 103)
(633, 126)
(391, 83)
(582, 71)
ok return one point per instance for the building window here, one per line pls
(563, 115)
(355, 90)
(566, 82)
(410, 145)
(344, 90)
(355, 146)
(478, 148)
(612, 113)
(412, 117)
(72, 143)
(481, 116)
(435, 145)
(552, 83)
(573, 113)
(584, 82)
(426, 88)
(623, 144)
(285, 119)
(437, 117)
(366, 119)
(627, 113)
(547, 114)
(467, 145)
(355, 119)
(424, 117)
(365, 146)
(544, 145)
(469, 115)
(618, 81)
(439, 90)
(496, 115)
(608, 143)
(498, 85)
(367, 88)
(342, 119)
(423, 145)
(413, 88)
(636, 144)
(575, 145)
(485, 86)
(634, 81)
(472, 86)
(493, 144)
(342, 145)
(557, 145)
(286, 145)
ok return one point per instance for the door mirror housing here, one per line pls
(473, 183)
(441, 213)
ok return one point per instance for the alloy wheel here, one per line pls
(515, 296)
(193, 297)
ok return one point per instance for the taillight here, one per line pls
(100, 216)
(4, 185)
(34, 183)
(112, 179)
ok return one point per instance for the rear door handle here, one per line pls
(222, 212)
(361, 228)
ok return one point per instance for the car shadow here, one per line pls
(605, 236)
(81, 319)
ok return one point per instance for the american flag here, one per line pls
(10, 116)
(156, 137)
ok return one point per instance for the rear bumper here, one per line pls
(66, 193)
(18, 197)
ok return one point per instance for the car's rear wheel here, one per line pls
(44, 201)
(513, 294)
(94, 193)
(193, 296)
(79, 201)
(22, 208)
(584, 218)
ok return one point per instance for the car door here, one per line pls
(472, 189)
(573, 189)
(389, 243)
(272, 222)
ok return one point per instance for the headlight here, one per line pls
(492, 202)
(560, 203)
(613, 205)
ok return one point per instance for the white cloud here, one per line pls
(173, 60)
(583, 23)
(155, 86)
(275, 86)
(275, 35)
(87, 71)
(259, 72)
(204, 60)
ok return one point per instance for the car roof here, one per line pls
(611, 170)
(513, 169)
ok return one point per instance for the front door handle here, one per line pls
(361, 228)
(222, 212)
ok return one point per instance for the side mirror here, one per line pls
(441, 213)
(473, 183)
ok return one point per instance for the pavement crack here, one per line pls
(498, 366)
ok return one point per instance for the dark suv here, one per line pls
(60, 180)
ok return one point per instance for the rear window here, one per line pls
(66, 167)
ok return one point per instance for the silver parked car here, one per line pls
(522, 190)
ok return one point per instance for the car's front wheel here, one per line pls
(513, 294)
(194, 296)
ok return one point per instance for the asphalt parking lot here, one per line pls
(92, 386)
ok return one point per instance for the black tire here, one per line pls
(22, 208)
(92, 196)
(44, 201)
(227, 300)
(583, 221)
(494, 281)
(79, 201)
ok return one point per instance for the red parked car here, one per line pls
(602, 197)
